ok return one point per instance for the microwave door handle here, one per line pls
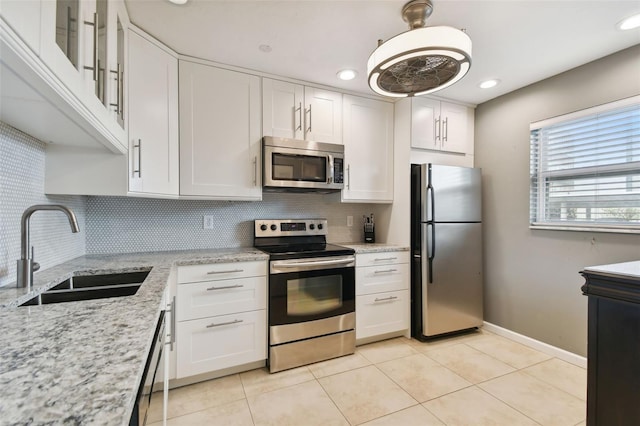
(331, 177)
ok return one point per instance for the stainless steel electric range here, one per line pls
(311, 292)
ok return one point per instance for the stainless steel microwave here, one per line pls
(291, 165)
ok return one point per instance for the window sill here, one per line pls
(586, 228)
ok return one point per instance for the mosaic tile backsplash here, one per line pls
(22, 185)
(122, 225)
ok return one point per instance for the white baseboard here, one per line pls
(570, 357)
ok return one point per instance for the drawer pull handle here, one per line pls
(385, 299)
(224, 323)
(386, 271)
(381, 259)
(228, 271)
(225, 287)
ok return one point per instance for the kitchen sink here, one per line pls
(89, 287)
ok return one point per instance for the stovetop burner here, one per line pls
(295, 238)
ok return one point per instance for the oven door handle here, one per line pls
(286, 264)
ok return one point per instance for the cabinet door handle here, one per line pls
(225, 287)
(386, 271)
(299, 109)
(386, 299)
(224, 323)
(445, 124)
(309, 129)
(94, 68)
(348, 176)
(227, 271)
(436, 129)
(255, 171)
(139, 169)
(173, 323)
(117, 104)
(382, 259)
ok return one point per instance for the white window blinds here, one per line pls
(585, 169)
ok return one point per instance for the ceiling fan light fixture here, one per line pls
(419, 61)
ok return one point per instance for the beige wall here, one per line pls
(532, 281)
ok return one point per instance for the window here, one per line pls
(585, 169)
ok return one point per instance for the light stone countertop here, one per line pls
(82, 362)
(625, 269)
(374, 247)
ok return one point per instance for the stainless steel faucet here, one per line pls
(26, 265)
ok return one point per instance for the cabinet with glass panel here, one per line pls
(82, 44)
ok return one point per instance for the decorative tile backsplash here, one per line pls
(22, 185)
(120, 224)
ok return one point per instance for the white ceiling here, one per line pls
(518, 42)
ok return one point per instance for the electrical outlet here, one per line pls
(349, 221)
(207, 222)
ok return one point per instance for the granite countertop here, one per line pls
(82, 362)
(374, 247)
(625, 269)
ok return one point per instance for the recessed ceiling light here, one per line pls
(178, 1)
(265, 48)
(630, 23)
(488, 84)
(347, 74)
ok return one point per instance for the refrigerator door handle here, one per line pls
(431, 250)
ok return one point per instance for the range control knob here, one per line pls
(319, 226)
(312, 226)
(274, 227)
(263, 227)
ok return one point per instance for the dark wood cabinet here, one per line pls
(613, 371)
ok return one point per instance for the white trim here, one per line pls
(585, 112)
(570, 357)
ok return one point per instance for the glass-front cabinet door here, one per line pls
(82, 43)
(117, 24)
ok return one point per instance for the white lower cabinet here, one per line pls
(221, 316)
(382, 294)
(209, 344)
(381, 313)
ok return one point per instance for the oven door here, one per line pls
(303, 290)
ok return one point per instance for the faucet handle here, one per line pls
(34, 265)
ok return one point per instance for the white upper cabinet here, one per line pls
(153, 118)
(219, 133)
(301, 112)
(323, 116)
(282, 109)
(441, 126)
(368, 150)
(46, 90)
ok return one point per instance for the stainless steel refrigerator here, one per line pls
(446, 244)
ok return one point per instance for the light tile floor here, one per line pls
(474, 379)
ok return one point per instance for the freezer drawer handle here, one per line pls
(386, 271)
(228, 271)
(224, 323)
(225, 287)
(386, 299)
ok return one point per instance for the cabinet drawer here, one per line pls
(382, 313)
(210, 298)
(384, 258)
(211, 344)
(376, 279)
(221, 271)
